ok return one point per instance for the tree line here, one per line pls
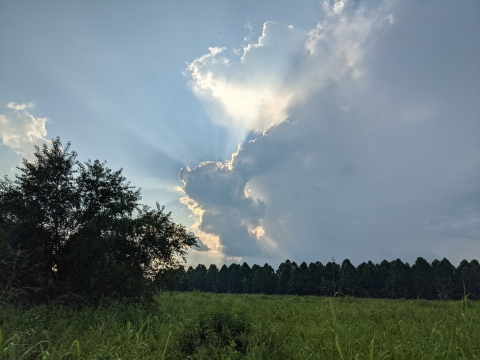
(394, 279)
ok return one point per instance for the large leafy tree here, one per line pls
(81, 230)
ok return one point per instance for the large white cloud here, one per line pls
(21, 131)
(285, 64)
(374, 152)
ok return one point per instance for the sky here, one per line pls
(274, 130)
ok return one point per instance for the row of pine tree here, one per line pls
(395, 279)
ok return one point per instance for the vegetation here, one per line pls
(226, 326)
(75, 231)
(395, 280)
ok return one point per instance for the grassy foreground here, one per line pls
(211, 326)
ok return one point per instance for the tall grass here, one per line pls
(212, 326)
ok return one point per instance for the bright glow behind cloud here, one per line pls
(283, 67)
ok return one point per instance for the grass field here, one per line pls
(210, 326)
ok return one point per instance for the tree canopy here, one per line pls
(72, 229)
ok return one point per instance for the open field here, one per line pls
(205, 326)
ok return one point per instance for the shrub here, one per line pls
(216, 329)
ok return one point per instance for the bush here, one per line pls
(216, 329)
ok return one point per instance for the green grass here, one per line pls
(209, 326)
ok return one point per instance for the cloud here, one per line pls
(364, 160)
(284, 66)
(222, 207)
(21, 131)
(20, 107)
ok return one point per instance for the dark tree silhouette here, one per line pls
(398, 281)
(79, 229)
(444, 275)
(348, 278)
(394, 279)
(222, 280)
(197, 280)
(210, 281)
(284, 272)
(367, 280)
(314, 284)
(235, 284)
(422, 279)
(264, 280)
(332, 271)
(298, 280)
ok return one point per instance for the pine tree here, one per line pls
(348, 278)
(284, 272)
(211, 279)
(422, 280)
(444, 278)
(222, 280)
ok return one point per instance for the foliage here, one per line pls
(216, 328)
(76, 230)
(276, 327)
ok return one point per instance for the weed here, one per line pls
(216, 329)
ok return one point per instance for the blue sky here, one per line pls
(273, 129)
